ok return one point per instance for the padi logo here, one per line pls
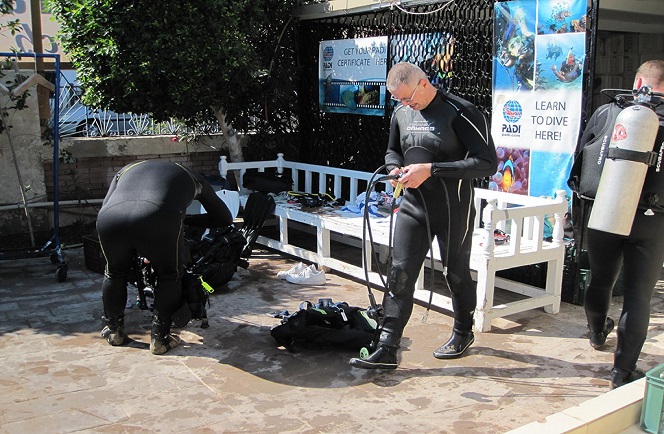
(328, 54)
(512, 113)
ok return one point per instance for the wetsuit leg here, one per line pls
(451, 222)
(605, 254)
(138, 227)
(459, 279)
(455, 242)
(116, 240)
(643, 258)
(162, 242)
(411, 244)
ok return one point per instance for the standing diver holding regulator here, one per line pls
(439, 143)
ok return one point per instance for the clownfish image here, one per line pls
(619, 133)
(509, 177)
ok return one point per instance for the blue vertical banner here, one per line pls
(352, 75)
(537, 93)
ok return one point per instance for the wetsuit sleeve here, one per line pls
(217, 213)
(473, 133)
(393, 156)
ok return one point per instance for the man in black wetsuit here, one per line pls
(641, 254)
(143, 213)
(440, 143)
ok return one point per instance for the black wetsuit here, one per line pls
(143, 213)
(641, 254)
(452, 134)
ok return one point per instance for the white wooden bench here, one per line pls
(522, 217)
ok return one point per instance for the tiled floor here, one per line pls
(59, 376)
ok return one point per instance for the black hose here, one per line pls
(366, 229)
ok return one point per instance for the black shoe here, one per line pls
(456, 346)
(161, 339)
(385, 357)
(598, 339)
(161, 345)
(620, 377)
(114, 332)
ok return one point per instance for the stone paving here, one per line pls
(59, 376)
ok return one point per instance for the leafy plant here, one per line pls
(13, 26)
(231, 59)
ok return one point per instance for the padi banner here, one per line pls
(351, 76)
(537, 93)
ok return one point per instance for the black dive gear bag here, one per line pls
(325, 324)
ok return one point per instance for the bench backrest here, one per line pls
(311, 178)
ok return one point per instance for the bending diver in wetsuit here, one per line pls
(143, 214)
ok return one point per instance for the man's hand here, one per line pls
(394, 172)
(415, 174)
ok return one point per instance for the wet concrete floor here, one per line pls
(60, 376)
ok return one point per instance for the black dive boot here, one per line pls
(384, 356)
(456, 345)
(620, 377)
(598, 339)
(113, 331)
(161, 339)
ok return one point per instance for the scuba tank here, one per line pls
(629, 155)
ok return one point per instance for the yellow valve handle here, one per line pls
(206, 286)
(397, 190)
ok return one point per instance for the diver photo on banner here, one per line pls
(352, 76)
(537, 93)
(437, 50)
